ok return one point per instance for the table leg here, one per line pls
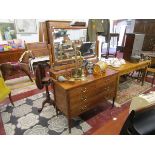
(69, 124)
(113, 101)
(153, 79)
(144, 73)
(117, 86)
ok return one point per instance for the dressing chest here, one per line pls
(75, 98)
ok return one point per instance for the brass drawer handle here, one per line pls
(107, 88)
(83, 99)
(83, 90)
(83, 108)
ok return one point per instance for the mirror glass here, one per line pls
(66, 40)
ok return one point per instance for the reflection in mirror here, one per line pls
(67, 40)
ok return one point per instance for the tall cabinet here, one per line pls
(147, 27)
(133, 45)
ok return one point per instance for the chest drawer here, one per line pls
(84, 98)
(82, 93)
(85, 105)
(107, 81)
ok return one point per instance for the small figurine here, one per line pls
(90, 67)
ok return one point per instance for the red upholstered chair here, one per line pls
(12, 68)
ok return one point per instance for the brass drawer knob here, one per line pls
(83, 98)
(108, 88)
(83, 90)
(83, 108)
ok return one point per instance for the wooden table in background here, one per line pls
(130, 67)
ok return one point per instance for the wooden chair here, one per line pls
(40, 52)
(43, 81)
(4, 91)
(38, 49)
(109, 47)
(112, 51)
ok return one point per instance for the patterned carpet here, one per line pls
(20, 85)
(129, 89)
(25, 119)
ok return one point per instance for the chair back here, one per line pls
(40, 74)
(109, 47)
(38, 49)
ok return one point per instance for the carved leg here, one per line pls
(131, 74)
(113, 101)
(11, 99)
(55, 106)
(143, 75)
(69, 124)
(153, 79)
(43, 104)
(27, 73)
(57, 111)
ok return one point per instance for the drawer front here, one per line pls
(107, 86)
(82, 93)
(107, 81)
(87, 90)
(85, 97)
(87, 104)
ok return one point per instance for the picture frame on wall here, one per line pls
(26, 26)
(7, 31)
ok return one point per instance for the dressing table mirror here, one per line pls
(64, 39)
(68, 43)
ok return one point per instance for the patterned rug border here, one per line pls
(128, 100)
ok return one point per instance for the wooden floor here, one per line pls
(113, 127)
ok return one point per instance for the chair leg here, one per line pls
(140, 75)
(131, 75)
(11, 99)
(153, 79)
